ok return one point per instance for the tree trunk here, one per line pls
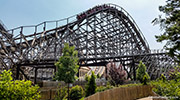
(68, 91)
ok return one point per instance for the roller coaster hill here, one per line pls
(105, 33)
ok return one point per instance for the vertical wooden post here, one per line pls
(35, 76)
(106, 71)
(68, 91)
(55, 69)
(134, 69)
(17, 72)
(78, 73)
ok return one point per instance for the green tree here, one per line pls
(145, 79)
(98, 75)
(171, 25)
(67, 65)
(76, 93)
(90, 87)
(141, 73)
(87, 77)
(16, 90)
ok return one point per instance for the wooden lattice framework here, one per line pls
(101, 34)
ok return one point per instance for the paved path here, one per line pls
(151, 98)
(147, 98)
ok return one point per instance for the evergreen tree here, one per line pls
(87, 77)
(90, 87)
(171, 24)
(67, 65)
(141, 73)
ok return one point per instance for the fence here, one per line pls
(49, 89)
(123, 93)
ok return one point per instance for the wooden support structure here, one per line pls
(17, 72)
(101, 34)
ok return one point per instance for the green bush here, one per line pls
(90, 87)
(16, 90)
(129, 85)
(76, 93)
(61, 94)
(103, 88)
(174, 73)
(168, 88)
(163, 78)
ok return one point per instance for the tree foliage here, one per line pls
(145, 79)
(168, 88)
(16, 90)
(171, 24)
(116, 74)
(141, 73)
(61, 94)
(90, 87)
(87, 77)
(67, 65)
(174, 74)
(163, 78)
(76, 93)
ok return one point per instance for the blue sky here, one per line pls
(16, 13)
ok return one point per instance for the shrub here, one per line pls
(169, 88)
(90, 87)
(174, 73)
(103, 88)
(129, 85)
(16, 90)
(61, 94)
(76, 93)
(163, 78)
(141, 72)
